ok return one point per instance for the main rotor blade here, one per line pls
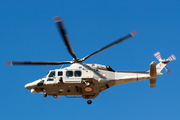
(110, 45)
(35, 63)
(62, 30)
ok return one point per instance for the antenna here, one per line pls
(62, 66)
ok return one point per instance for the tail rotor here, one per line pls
(164, 62)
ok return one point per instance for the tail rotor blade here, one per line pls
(171, 58)
(158, 55)
(168, 70)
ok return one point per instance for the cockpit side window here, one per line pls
(77, 73)
(69, 73)
(52, 74)
(60, 73)
(50, 79)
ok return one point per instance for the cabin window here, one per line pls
(69, 73)
(77, 73)
(60, 73)
(52, 74)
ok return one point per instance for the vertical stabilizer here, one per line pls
(152, 82)
(153, 74)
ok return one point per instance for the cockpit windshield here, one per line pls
(45, 75)
(52, 74)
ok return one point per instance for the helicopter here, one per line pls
(81, 80)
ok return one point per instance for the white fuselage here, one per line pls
(71, 80)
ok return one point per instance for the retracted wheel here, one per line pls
(89, 102)
(44, 94)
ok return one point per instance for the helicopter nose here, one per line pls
(36, 83)
(28, 86)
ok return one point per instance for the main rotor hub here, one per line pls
(77, 60)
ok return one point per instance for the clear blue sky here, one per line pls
(28, 32)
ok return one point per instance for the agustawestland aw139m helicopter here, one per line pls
(88, 80)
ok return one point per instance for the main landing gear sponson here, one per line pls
(89, 102)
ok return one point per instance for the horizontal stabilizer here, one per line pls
(152, 83)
